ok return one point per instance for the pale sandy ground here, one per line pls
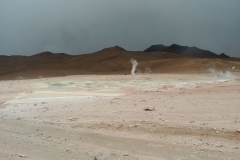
(80, 117)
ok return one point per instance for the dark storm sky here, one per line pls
(28, 27)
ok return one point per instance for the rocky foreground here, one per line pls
(168, 116)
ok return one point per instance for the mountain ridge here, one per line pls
(185, 51)
(112, 60)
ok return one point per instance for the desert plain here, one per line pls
(125, 117)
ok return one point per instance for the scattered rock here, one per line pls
(102, 157)
(149, 109)
(136, 125)
(115, 98)
(111, 157)
(68, 150)
(19, 118)
(22, 156)
(75, 126)
(72, 119)
(219, 145)
(35, 104)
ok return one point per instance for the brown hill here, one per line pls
(114, 60)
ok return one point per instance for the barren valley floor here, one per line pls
(126, 117)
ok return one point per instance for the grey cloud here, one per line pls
(82, 26)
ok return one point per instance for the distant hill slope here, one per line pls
(46, 64)
(113, 60)
(185, 51)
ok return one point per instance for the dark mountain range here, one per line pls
(185, 51)
(155, 48)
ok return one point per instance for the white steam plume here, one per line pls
(221, 74)
(147, 70)
(134, 65)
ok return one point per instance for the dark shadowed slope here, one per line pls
(155, 48)
(186, 51)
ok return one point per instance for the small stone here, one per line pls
(22, 156)
(219, 145)
(19, 118)
(68, 150)
(149, 109)
(136, 125)
(35, 104)
(106, 157)
(72, 119)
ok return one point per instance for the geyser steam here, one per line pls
(134, 65)
(221, 74)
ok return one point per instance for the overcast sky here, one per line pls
(29, 27)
